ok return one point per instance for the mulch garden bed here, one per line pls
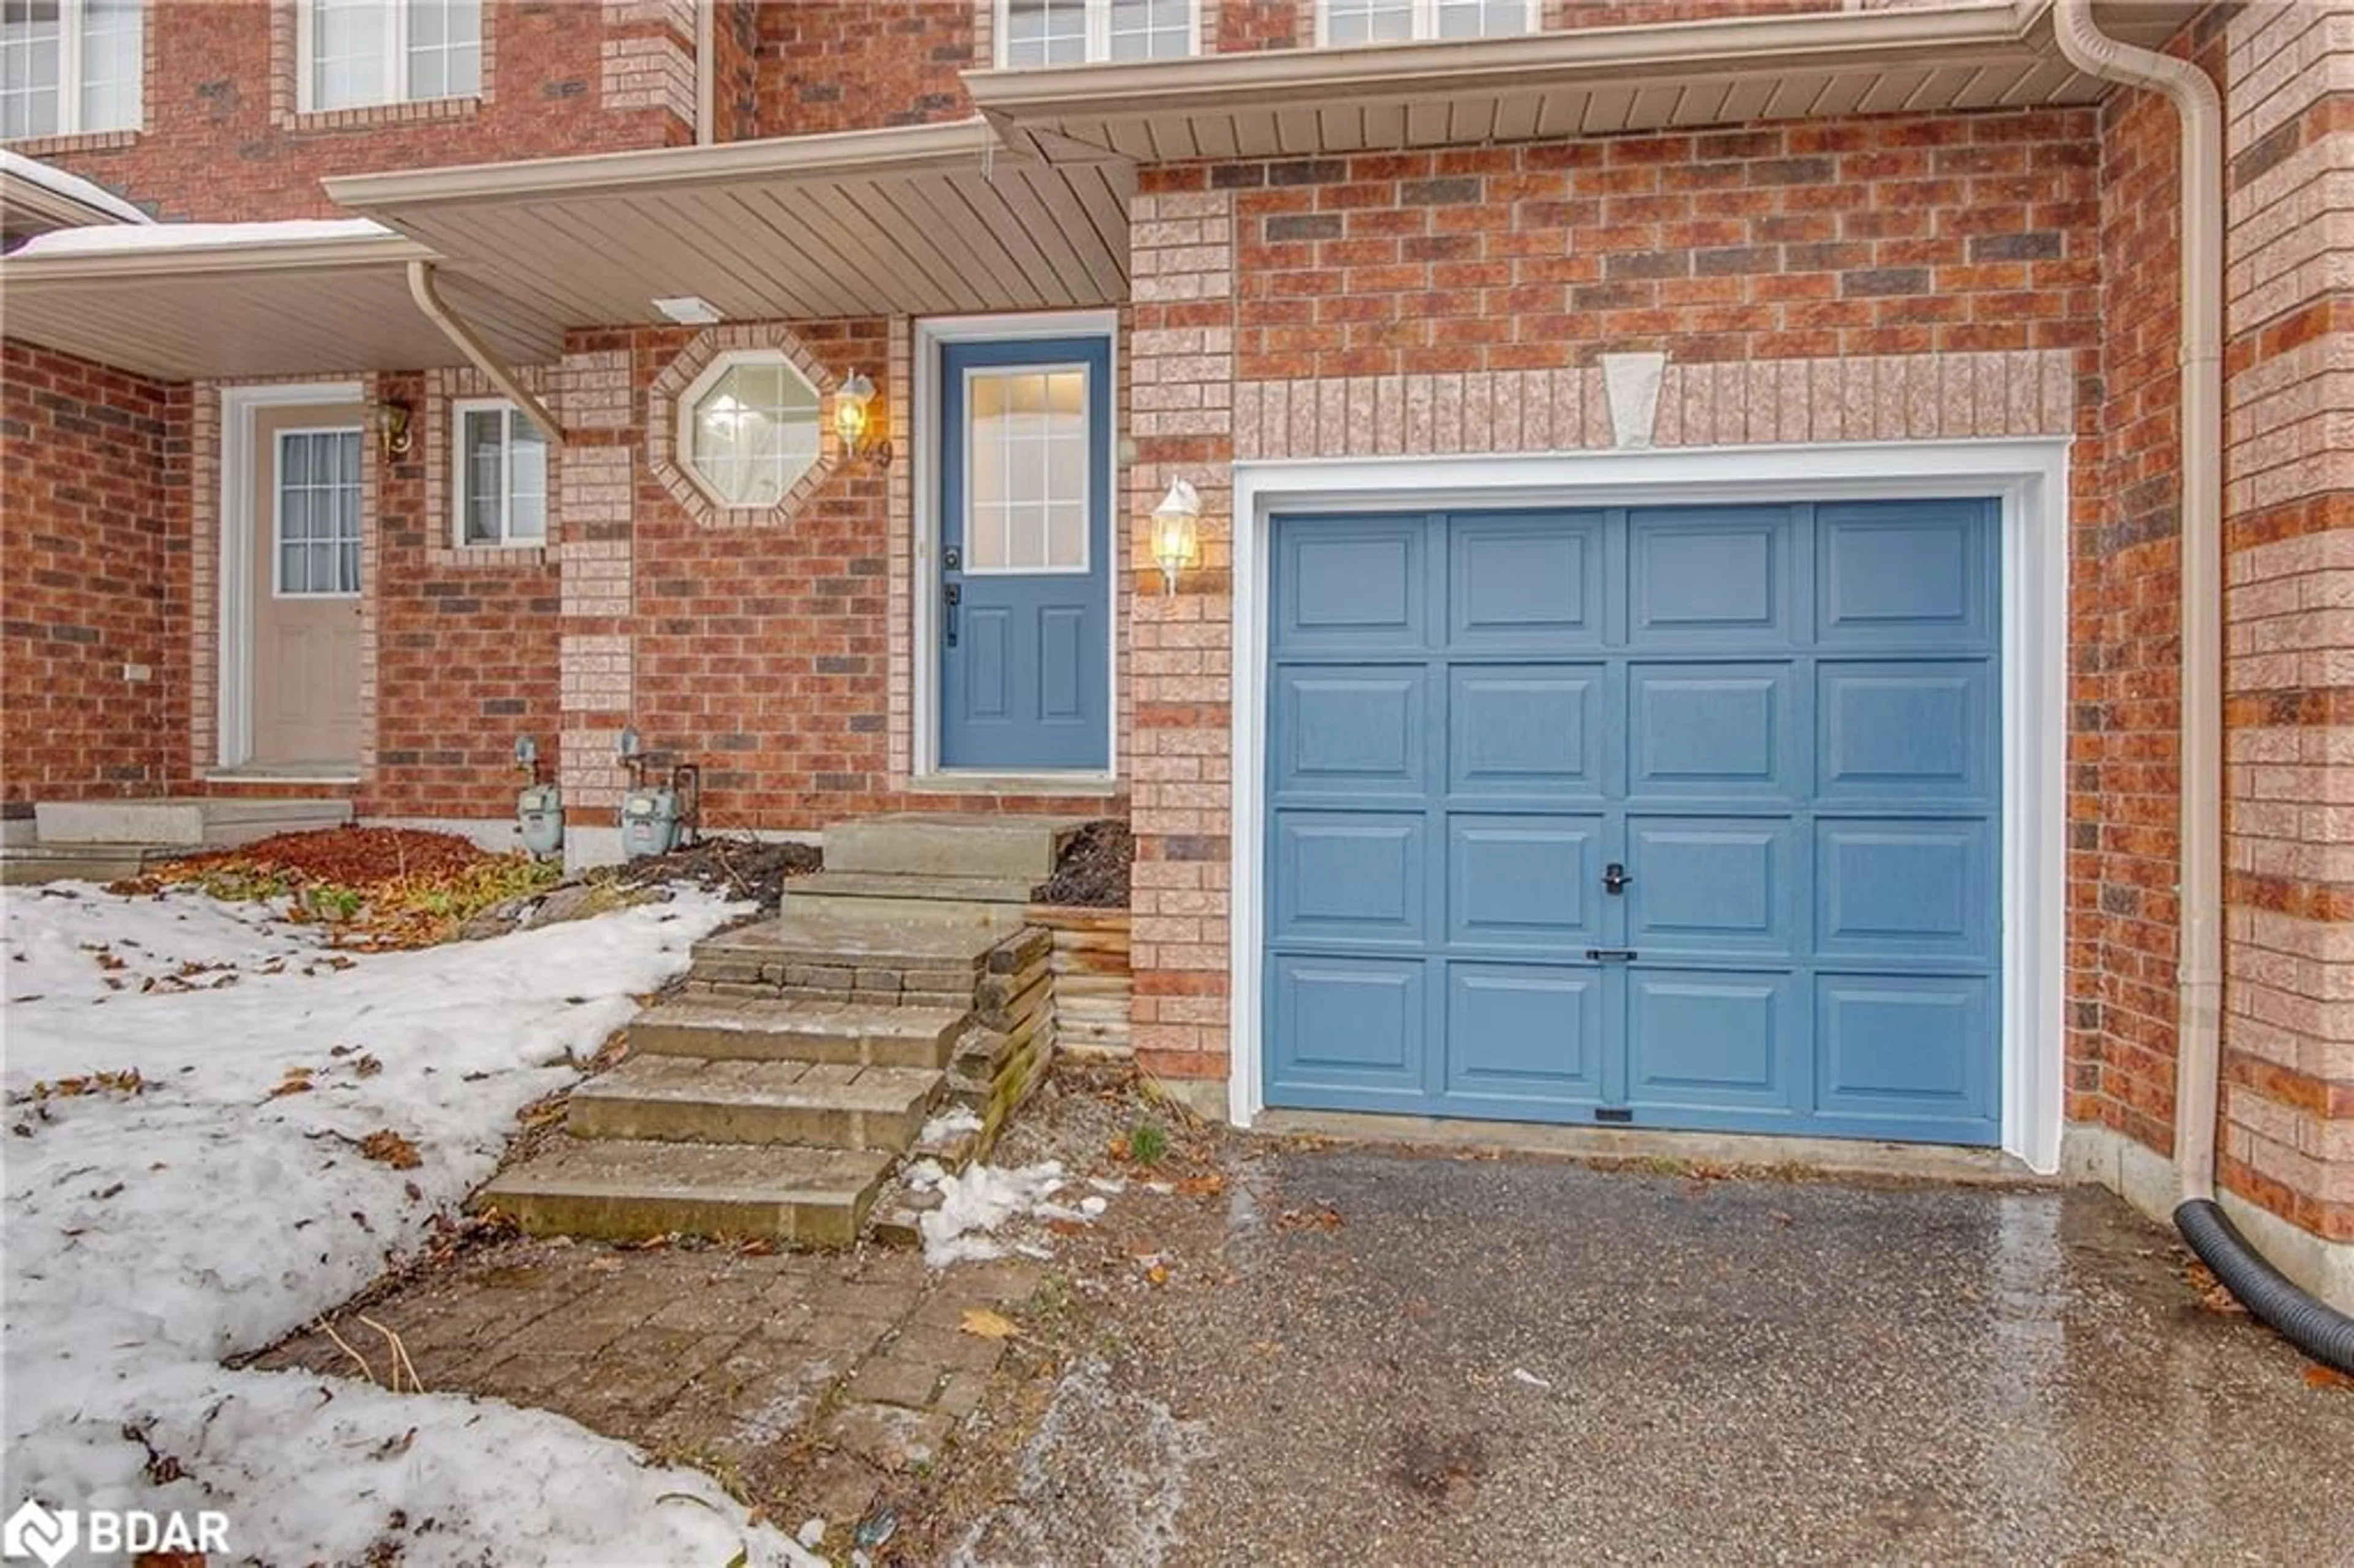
(1093, 870)
(734, 868)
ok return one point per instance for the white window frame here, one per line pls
(1098, 18)
(688, 400)
(1086, 477)
(278, 589)
(1425, 25)
(69, 83)
(460, 494)
(396, 55)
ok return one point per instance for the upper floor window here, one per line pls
(68, 68)
(354, 53)
(502, 476)
(1396, 21)
(1083, 32)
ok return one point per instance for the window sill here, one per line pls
(79, 142)
(408, 111)
(489, 556)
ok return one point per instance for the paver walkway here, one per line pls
(807, 1380)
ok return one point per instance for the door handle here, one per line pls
(951, 594)
(1615, 879)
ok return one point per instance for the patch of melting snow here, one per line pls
(151, 1231)
(1110, 1464)
(949, 1124)
(982, 1199)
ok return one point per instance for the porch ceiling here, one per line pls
(921, 219)
(1579, 82)
(187, 307)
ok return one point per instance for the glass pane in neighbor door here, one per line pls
(291, 576)
(322, 568)
(1066, 536)
(349, 564)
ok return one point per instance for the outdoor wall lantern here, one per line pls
(1176, 533)
(391, 420)
(853, 421)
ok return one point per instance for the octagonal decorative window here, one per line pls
(749, 428)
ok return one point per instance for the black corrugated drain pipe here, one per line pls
(2314, 1327)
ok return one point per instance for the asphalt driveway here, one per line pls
(1393, 1358)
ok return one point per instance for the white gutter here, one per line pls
(897, 149)
(426, 292)
(1941, 37)
(2199, 1047)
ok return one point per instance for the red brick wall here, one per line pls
(465, 648)
(2125, 678)
(93, 575)
(1860, 237)
(762, 651)
(1247, 25)
(220, 146)
(853, 65)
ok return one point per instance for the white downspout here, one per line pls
(707, 72)
(2199, 973)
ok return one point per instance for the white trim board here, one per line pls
(923, 489)
(233, 660)
(2029, 479)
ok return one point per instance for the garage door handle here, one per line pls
(1614, 878)
(1611, 955)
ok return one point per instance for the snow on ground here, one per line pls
(151, 1232)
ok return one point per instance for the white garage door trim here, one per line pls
(2029, 477)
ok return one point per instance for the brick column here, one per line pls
(1180, 389)
(2289, 1091)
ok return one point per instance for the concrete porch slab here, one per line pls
(949, 843)
(183, 821)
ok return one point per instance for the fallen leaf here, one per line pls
(1157, 1273)
(2318, 1376)
(1208, 1186)
(297, 1082)
(988, 1325)
(387, 1147)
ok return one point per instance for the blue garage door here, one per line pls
(1682, 817)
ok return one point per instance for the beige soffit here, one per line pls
(260, 300)
(916, 219)
(1576, 82)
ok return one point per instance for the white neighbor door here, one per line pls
(306, 586)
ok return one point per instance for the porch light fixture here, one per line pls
(1176, 533)
(391, 420)
(853, 414)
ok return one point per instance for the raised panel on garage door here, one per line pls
(1676, 817)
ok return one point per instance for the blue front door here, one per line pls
(1676, 817)
(1025, 555)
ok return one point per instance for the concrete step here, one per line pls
(626, 1191)
(894, 888)
(771, 1030)
(947, 843)
(994, 918)
(686, 1099)
(21, 865)
(824, 936)
(185, 821)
